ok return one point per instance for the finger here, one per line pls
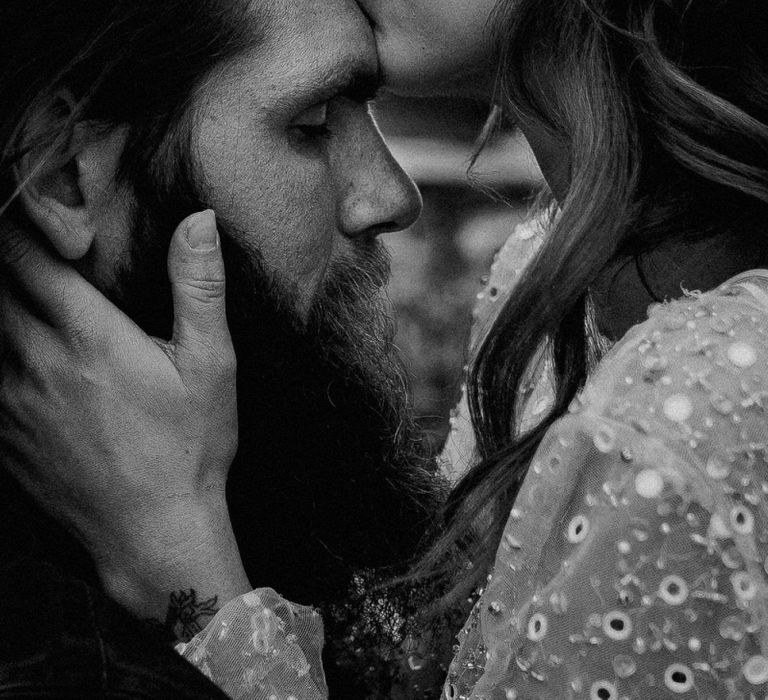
(17, 431)
(24, 338)
(55, 290)
(196, 271)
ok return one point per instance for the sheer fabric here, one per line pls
(460, 451)
(261, 647)
(633, 564)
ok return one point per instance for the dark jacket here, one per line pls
(60, 636)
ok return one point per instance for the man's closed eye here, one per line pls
(313, 122)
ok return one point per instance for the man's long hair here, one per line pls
(661, 107)
(126, 63)
(328, 481)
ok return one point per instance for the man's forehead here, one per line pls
(316, 48)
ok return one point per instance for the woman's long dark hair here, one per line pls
(662, 109)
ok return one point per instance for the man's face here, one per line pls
(430, 47)
(288, 154)
(329, 478)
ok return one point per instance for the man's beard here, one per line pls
(330, 479)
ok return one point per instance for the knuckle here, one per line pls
(223, 366)
(30, 356)
(228, 361)
(15, 249)
(80, 332)
(204, 290)
(224, 376)
(219, 360)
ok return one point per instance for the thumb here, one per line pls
(201, 337)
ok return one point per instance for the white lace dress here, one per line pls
(261, 647)
(634, 562)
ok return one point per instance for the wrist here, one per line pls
(185, 561)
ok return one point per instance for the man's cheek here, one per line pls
(299, 246)
(308, 226)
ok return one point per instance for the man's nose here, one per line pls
(378, 196)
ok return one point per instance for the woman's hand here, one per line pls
(126, 440)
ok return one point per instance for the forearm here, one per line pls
(180, 573)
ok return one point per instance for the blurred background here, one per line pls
(439, 264)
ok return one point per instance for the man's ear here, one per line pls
(66, 174)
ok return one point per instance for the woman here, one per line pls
(631, 563)
(626, 529)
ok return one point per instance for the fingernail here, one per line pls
(201, 231)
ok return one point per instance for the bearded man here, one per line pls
(120, 119)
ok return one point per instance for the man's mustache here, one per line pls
(365, 272)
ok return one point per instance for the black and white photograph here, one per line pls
(384, 349)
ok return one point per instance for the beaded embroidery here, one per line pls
(640, 563)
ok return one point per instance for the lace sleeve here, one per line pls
(650, 585)
(634, 562)
(460, 450)
(261, 647)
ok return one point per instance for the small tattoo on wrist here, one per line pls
(188, 616)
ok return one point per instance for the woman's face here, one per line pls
(433, 47)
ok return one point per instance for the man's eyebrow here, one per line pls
(359, 85)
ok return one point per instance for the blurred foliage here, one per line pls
(438, 264)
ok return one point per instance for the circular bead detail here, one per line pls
(673, 590)
(617, 625)
(742, 355)
(678, 678)
(604, 440)
(756, 669)
(678, 408)
(603, 690)
(578, 529)
(742, 520)
(732, 628)
(649, 483)
(624, 666)
(537, 627)
(744, 585)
